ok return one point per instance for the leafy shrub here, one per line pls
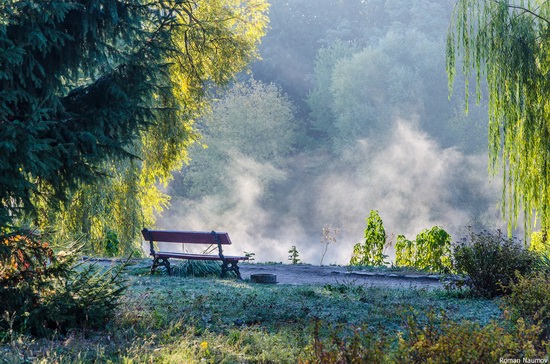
(540, 246)
(371, 252)
(529, 299)
(430, 251)
(490, 261)
(43, 292)
(440, 340)
(405, 252)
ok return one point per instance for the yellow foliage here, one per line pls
(211, 41)
(539, 243)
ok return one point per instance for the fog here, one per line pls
(347, 112)
(413, 183)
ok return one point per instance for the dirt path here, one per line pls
(311, 274)
(303, 274)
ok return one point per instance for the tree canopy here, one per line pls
(87, 86)
(507, 44)
(252, 121)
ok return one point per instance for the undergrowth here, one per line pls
(173, 319)
(165, 319)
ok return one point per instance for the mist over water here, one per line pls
(347, 112)
(412, 181)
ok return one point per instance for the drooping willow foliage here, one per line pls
(507, 44)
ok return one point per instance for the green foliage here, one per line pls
(507, 44)
(98, 103)
(430, 251)
(405, 252)
(350, 98)
(528, 299)
(371, 252)
(251, 130)
(491, 262)
(42, 292)
(434, 250)
(433, 339)
(320, 99)
(542, 262)
(120, 205)
(111, 244)
(294, 255)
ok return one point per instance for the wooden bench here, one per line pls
(160, 258)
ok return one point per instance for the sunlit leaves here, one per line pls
(507, 44)
(371, 252)
(100, 98)
(430, 251)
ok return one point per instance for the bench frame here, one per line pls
(160, 258)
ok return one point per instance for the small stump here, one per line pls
(263, 278)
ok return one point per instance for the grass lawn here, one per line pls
(194, 320)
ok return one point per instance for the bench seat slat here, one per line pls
(191, 256)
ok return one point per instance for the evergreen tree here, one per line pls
(86, 86)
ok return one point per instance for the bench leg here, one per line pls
(157, 262)
(167, 265)
(224, 269)
(237, 271)
(228, 266)
(154, 265)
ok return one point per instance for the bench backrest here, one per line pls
(186, 237)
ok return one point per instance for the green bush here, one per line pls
(112, 244)
(542, 262)
(491, 261)
(530, 299)
(430, 251)
(371, 252)
(43, 292)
